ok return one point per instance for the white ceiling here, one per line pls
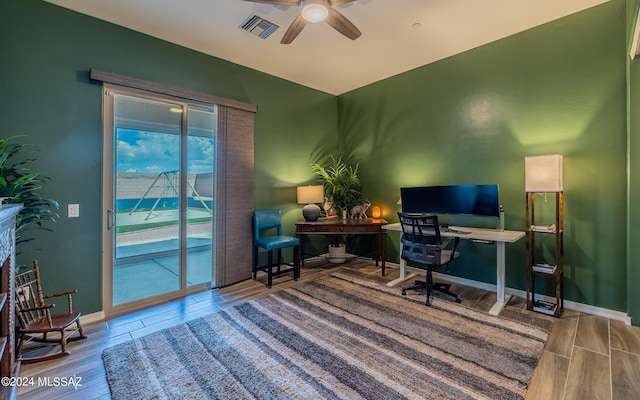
(397, 35)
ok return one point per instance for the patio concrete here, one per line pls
(147, 261)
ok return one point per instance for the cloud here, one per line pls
(153, 152)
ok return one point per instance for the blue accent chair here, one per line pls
(265, 224)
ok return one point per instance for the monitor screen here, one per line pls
(476, 200)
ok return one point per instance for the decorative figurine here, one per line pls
(359, 211)
(329, 211)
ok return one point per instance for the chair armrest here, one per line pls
(39, 308)
(60, 294)
(45, 307)
(68, 293)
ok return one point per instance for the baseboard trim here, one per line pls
(93, 317)
(571, 305)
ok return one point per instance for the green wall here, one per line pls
(472, 118)
(633, 266)
(45, 93)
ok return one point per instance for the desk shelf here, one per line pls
(339, 260)
(545, 269)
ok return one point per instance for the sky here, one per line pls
(152, 152)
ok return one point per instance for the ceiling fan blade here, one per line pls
(294, 30)
(340, 23)
(277, 2)
(338, 2)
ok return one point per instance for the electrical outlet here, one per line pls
(73, 210)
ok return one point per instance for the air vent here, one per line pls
(259, 26)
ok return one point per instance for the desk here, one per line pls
(480, 235)
(337, 226)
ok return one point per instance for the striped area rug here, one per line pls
(344, 336)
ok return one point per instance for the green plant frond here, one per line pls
(23, 240)
(340, 181)
(21, 184)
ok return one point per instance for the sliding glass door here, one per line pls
(201, 181)
(160, 197)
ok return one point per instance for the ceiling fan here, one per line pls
(313, 11)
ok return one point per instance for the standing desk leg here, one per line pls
(403, 274)
(502, 299)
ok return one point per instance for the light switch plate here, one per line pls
(74, 210)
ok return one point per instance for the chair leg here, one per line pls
(66, 335)
(296, 262)
(80, 332)
(63, 340)
(279, 259)
(269, 268)
(255, 262)
(417, 285)
(429, 285)
(444, 288)
(19, 344)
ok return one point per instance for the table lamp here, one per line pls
(310, 195)
(376, 212)
(543, 173)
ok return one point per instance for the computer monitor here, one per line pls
(472, 200)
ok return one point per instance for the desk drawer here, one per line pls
(362, 229)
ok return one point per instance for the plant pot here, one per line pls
(337, 253)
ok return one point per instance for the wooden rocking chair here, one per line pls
(36, 321)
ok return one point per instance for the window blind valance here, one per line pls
(141, 84)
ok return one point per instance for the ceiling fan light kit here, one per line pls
(314, 10)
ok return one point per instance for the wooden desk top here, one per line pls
(467, 232)
(348, 221)
(338, 225)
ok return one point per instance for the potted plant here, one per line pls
(20, 185)
(342, 186)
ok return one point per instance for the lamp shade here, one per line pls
(310, 194)
(543, 173)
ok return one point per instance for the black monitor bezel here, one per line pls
(413, 200)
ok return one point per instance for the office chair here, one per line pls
(421, 243)
(266, 222)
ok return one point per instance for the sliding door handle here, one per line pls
(111, 219)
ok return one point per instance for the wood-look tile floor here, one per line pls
(586, 357)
